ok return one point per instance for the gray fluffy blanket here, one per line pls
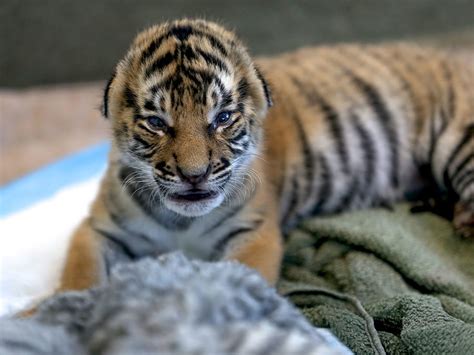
(169, 305)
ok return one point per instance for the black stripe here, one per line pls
(146, 155)
(105, 102)
(182, 32)
(119, 222)
(162, 104)
(243, 89)
(241, 110)
(337, 132)
(224, 241)
(461, 166)
(130, 98)
(313, 98)
(150, 105)
(162, 167)
(144, 143)
(236, 151)
(401, 76)
(218, 170)
(467, 180)
(205, 75)
(308, 157)
(326, 188)
(154, 89)
(152, 48)
(467, 136)
(166, 82)
(226, 99)
(215, 43)
(225, 175)
(116, 240)
(389, 64)
(199, 77)
(239, 136)
(293, 198)
(346, 200)
(233, 212)
(280, 184)
(266, 88)
(368, 149)
(124, 129)
(214, 98)
(212, 59)
(139, 195)
(376, 102)
(160, 63)
(186, 52)
(225, 163)
(219, 84)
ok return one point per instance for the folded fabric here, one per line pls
(401, 279)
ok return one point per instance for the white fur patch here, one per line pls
(194, 209)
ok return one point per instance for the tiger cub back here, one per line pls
(361, 125)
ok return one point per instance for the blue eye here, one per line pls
(155, 122)
(222, 118)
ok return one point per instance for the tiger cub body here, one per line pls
(203, 163)
(364, 125)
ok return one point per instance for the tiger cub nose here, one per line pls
(194, 177)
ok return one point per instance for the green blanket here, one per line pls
(403, 282)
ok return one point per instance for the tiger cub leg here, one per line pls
(464, 219)
(259, 243)
(84, 266)
(261, 250)
(453, 164)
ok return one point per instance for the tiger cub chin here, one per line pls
(202, 162)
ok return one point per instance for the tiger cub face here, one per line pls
(186, 105)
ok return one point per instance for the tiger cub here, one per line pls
(202, 162)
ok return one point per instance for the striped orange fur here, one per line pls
(203, 162)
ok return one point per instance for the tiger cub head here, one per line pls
(186, 106)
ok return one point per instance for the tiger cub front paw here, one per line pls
(463, 220)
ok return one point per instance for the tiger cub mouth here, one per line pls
(193, 195)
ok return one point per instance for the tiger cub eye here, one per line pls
(223, 117)
(155, 122)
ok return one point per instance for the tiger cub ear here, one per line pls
(105, 101)
(266, 87)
